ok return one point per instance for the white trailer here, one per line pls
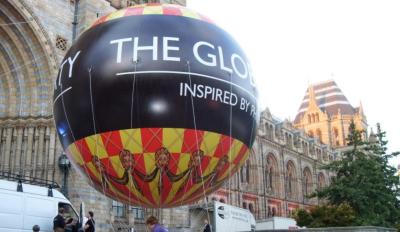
(228, 218)
(276, 223)
(222, 218)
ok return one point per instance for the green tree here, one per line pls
(302, 217)
(365, 180)
(326, 216)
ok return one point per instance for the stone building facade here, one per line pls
(34, 36)
(282, 170)
(325, 113)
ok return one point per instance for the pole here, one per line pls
(66, 182)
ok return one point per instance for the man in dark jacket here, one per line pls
(59, 221)
(89, 225)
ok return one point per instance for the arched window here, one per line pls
(245, 172)
(291, 179)
(313, 118)
(317, 117)
(272, 174)
(271, 132)
(309, 118)
(305, 148)
(269, 211)
(244, 204)
(290, 140)
(273, 211)
(321, 181)
(248, 171)
(307, 181)
(336, 136)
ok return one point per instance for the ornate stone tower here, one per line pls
(325, 114)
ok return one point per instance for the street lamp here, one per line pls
(64, 164)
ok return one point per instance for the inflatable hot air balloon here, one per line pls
(156, 105)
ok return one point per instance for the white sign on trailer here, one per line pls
(228, 218)
(276, 223)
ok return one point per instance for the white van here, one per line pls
(23, 205)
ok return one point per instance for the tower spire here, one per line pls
(361, 109)
(312, 103)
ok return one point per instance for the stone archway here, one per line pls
(26, 64)
(28, 142)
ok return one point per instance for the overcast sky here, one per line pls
(293, 43)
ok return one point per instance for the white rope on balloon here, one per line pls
(74, 139)
(91, 100)
(230, 142)
(69, 126)
(130, 180)
(104, 182)
(133, 91)
(197, 141)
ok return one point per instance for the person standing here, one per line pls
(154, 226)
(59, 221)
(89, 225)
(207, 227)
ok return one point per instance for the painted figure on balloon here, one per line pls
(127, 162)
(162, 159)
(105, 181)
(108, 181)
(194, 173)
(129, 165)
(102, 171)
(212, 178)
(211, 181)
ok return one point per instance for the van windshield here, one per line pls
(69, 213)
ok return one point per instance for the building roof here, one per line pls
(329, 98)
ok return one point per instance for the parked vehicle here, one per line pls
(222, 218)
(276, 223)
(229, 218)
(24, 205)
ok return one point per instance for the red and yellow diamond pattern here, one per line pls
(158, 167)
(152, 9)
